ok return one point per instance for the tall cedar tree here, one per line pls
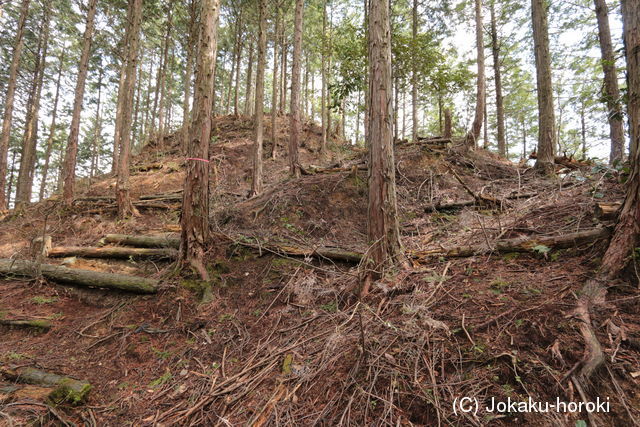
(7, 118)
(195, 202)
(473, 135)
(294, 140)
(383, 231)
(132, 38)
(546, 115)
(414, 75)
(188, 74)
(495, 49)
(274, 85)
(72, 143)
(611, 89)
(256, 186)
(628, 228)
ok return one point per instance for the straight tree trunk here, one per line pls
(72, 144)
(546, 119)
(283, 78)
(95, 156)
(414, 75)
(5, 132)
(323, 100)
(24, 185)
(249, 86)
(147, 107)
(473, 135)
(383, 231)
(118, 122)
(52, 129)
(236, 86)
(495, 47)
(274, 85)
(611, 89)
(627, 232)
(312, 108)
(195, 203)
(257, 185)
(132, 38)
(163, 75)
(156, 95)
(396, 108)
(294, 140)
(305, 103)
(188, 75)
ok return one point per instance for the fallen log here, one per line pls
(607, 211)
(331, 253)
(312, 170)
(566, 161)
(112, 252)
(520, 244)
(87, 278)
(26, 323)
(65, 389)
(142, 241)
(464, 203)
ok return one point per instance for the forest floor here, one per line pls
(276, 339)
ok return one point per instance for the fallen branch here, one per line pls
(65, 389)
(520, 244)
(142, 241)
(312, 170)
(464, 203)
(607, 211)
(78, 277)
(480, 198)
(27, 323)
(112, 252)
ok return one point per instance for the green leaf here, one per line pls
(541, 249)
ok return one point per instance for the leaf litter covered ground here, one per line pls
(282, 340)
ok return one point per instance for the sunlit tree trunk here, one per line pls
(473, 135)
(294, 140)
(257, 184)
(546, 115)
(274, 85)
(71, 153)
(194, 220)
(5, 132)
(383, 231)
(248, 93)
(97, 130)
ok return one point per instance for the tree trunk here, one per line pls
(611, 90)
(195, 203)
(249, 85)
(627, 231)
(283, 69)
(294, 140)
(163, 75)
(142, 241)
(74, 276)
(24, 185)
(132, 38)
(112, 252)
(95, 154)
(256, 185)
(274, 85)
(52, 129)
(188, 74)
(236, 86)
(447, 123)
(383, 231)
(7, 118)
(414, 74)
(72, 144)
(323, 70)
(118, 121)
(546, 116)
(473, 135)
(495, 48)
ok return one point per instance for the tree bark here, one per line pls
(249, 85)
(236, 86)
(447, 124)
(118, 122)
(5, 132)
(87, 278)
(611, 89)
(195, 204)
(24, 185)
(323, 70)
(52, 129)
(112, 253)
(274, 85)
(95, 154)
(414, 74)
(163, 75)
(473, 135)
(72, 144)
(495, 47)
(257, 185)
(294, 140)
(132, 38)
(142, 241)
(383, 231)
(188, 75)
(546, 115)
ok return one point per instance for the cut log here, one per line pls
(65, 389)
(461, 204)
(312, 170)
(27, 323)
(607, 211)
(112, 252)
(78, 277)
(520, 244)
(142, 241)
